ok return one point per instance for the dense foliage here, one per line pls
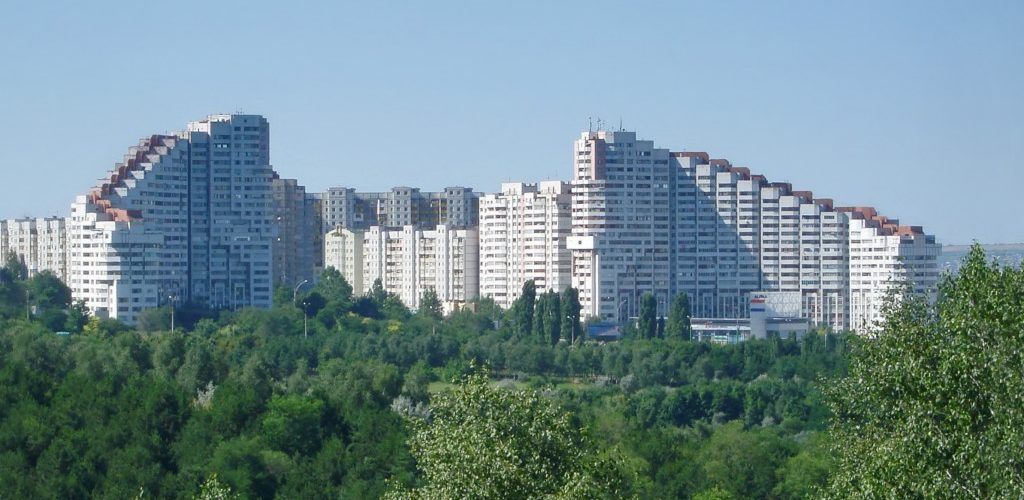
(481, 442)
(933, 408)
(108, 410)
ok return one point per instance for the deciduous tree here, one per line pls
(932, 407)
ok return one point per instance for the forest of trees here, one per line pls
(379, 400)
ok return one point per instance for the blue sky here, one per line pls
(913, 107)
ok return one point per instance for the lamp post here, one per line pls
(295, 292)
(572, 330)
(621, 319)
(173, 298)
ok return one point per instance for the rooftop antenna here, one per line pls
(590, 123)
(620, 124)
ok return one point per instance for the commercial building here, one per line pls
(523, 234)
(41, 243)
(183, 217)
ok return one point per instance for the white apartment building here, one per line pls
(40, 242)
(523, 234)
(408, 261)
(401, 206)
(885, 255)
(343, 250)
(184, 217)
(621, 214)
(646, 220)
(737, 233)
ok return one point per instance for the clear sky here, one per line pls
(913, 107)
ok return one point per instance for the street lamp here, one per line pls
(572, 330)
(305, 326)
(173, 298)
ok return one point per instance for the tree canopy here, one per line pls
(481, 442)
(933, 406)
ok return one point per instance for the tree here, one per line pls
(571, 327)
(430, 305)
(15, 264)
(484, 442)
(523, 309)
(213, 489)
(553, 317)
(678, 325)
(932, 406)
(647, 321)
(334, 287)
(46, 291)
(377, 292)
(539, 318)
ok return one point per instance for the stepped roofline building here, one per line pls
(646, 220)
(182, 218)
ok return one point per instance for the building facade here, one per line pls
(621, 241)
(408, 262)
(41, 243)
(646, 220)
(523, 234)
(343, 250)
(400, 207)
(885, 256)
(187, 217)
(297, 248)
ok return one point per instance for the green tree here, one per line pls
(46, 291)
(430, 305)
(377, 292)
(932, 407)
(647, 322)
(678, 325)
(553, 317)
(522, 310)
(213, 489)
(292, 424)
(15, 264)
(483, 442)
(334, 287)
(540, 317)
(571, 327)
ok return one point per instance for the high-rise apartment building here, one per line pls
(343, 250)
(884, 255)
(402, 206)
(646, 220)
(622, 211)
(523, 235)
(184, 217)
(41, 243)
(297, 248)
(408, 261)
